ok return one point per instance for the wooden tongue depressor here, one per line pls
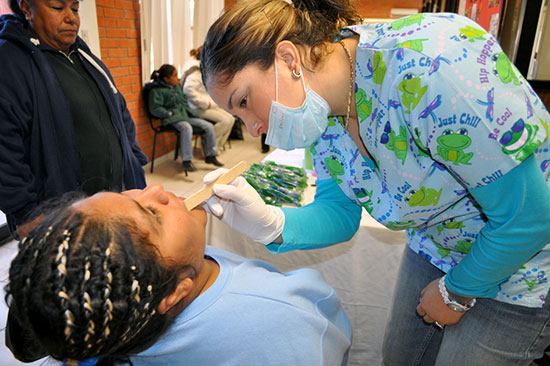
(204, 193)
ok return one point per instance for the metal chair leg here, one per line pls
(177, 146)
(154, 146)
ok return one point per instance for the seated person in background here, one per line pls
(201, 103)
(121, 277)
(166, 100)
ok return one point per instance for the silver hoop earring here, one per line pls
(296, 75)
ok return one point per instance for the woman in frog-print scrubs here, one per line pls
(430, 129)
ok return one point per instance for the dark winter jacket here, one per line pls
(38, 153)
(167, 102)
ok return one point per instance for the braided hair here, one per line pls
(85, 287)
(251, 29)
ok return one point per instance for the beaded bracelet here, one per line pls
(452, 303)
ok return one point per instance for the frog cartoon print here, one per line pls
(519, 140)
(377, 68)
(412, 91)
(463, 246)
(396, 143)
(451, 146)
(398, 225)
(450, 225)
(364, 105)
(335, 169)
(504, 69)
(423, 197)
(364, 198)
(413, 44)
(471, 34)
(406, 22)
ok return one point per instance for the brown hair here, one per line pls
(250, 30)
(196, 53)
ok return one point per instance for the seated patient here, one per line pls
(121, 277)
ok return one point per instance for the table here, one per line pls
(362, 270)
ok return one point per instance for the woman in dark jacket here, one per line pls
(64, 125)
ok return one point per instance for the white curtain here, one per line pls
(166, 33)
(206, 12)
(172, 28)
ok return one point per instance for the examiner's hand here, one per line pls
(433, 309)
(239, 205)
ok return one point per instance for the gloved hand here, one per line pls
(239, 205)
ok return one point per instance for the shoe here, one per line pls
(188, 166)
(212, 160)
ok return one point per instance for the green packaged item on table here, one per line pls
(277, 184)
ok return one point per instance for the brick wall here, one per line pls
(371, 8)
(120, 42)
(382, 9)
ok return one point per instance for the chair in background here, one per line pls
(159, 128)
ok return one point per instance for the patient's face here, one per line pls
(178, 233)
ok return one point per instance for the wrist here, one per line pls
(454, 302)
(461, 299)
(276, 223)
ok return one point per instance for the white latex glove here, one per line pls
(238, 205)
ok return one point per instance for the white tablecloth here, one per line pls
(362, 270)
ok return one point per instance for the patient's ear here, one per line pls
(183, 289)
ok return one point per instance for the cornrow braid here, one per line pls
(87, 305)
(60, 265)
(108, 306)
(141, 313)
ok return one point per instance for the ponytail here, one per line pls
(251, 29)
(336, 13)
(165, 71)
(196, 53)
(155, 75)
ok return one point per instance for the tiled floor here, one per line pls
(169, 173)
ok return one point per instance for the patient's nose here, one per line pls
(155, 192)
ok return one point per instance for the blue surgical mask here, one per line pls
(291, 128)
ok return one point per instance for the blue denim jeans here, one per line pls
(492, 333)
(186, 137)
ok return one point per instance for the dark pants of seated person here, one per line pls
(186, 137)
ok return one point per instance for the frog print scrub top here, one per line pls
(441, 110)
